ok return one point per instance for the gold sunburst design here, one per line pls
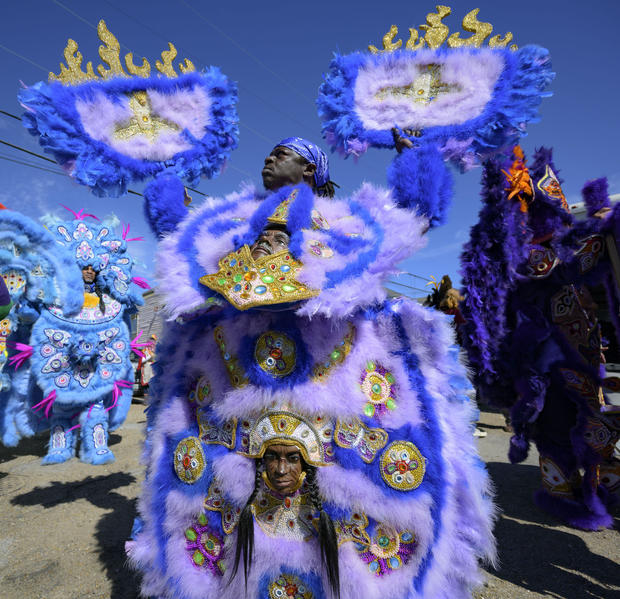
(436, 33)
(109, 52)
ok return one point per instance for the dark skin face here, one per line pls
(89, 274)
(270, 241)
(283, 465)
(286, 167)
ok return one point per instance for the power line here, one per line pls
(36, 64)
(408, 286)
(6, 143)
(246, 52)
(42, 157)
(418, 277)
(24, 163)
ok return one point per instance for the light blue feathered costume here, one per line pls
(38, 272)
(77, 372)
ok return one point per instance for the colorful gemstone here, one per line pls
(287, 288)
(267, 279)
(260, 289)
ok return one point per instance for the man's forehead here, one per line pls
(283, 149)
(282, 449)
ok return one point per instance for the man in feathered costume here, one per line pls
(307, 437)
(78, 371)
(527, 270)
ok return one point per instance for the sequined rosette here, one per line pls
(388, 550)
(204, 547)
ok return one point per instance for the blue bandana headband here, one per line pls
(312, 153)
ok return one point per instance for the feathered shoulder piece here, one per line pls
(339, 254)
(34, 266)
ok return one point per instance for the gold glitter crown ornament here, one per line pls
(437, 33)
(109, 52)
(247, 283)
(312, 435)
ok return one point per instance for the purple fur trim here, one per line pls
(596, 195)
(574, 513)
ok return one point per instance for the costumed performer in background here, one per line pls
(526, 271)
(79, 372)
(36, 272)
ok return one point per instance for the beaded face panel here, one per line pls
(403, 466)
(289, 517)
(247, 283)
(541, 262)
(590, 252)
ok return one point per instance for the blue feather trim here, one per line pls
(514, 102)
(53, 117)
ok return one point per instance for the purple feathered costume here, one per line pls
(538, 305)
(307, 350)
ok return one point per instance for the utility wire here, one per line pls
(418, 277)
(36, 64)
(42, 157)
(24, 163)
(408, 286)
(160, 36)
(246, 52)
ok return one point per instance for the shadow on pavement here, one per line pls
(113, 528)
(533, 553)
(35, 446)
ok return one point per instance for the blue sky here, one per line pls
(277, 53)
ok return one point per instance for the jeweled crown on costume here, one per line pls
(247, 283)
(72, 73)
(437, 34)
(312, 435)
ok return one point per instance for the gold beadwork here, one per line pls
(403, 466)
(282, 426)
(233, 368)
(425, 88)
(322, 370)
(280, 215)
(366, 441)
(189, 460)
(143, 122)
(109, 52)
(471, 23)
(270, 279)
(437, 33)
(275, 353)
